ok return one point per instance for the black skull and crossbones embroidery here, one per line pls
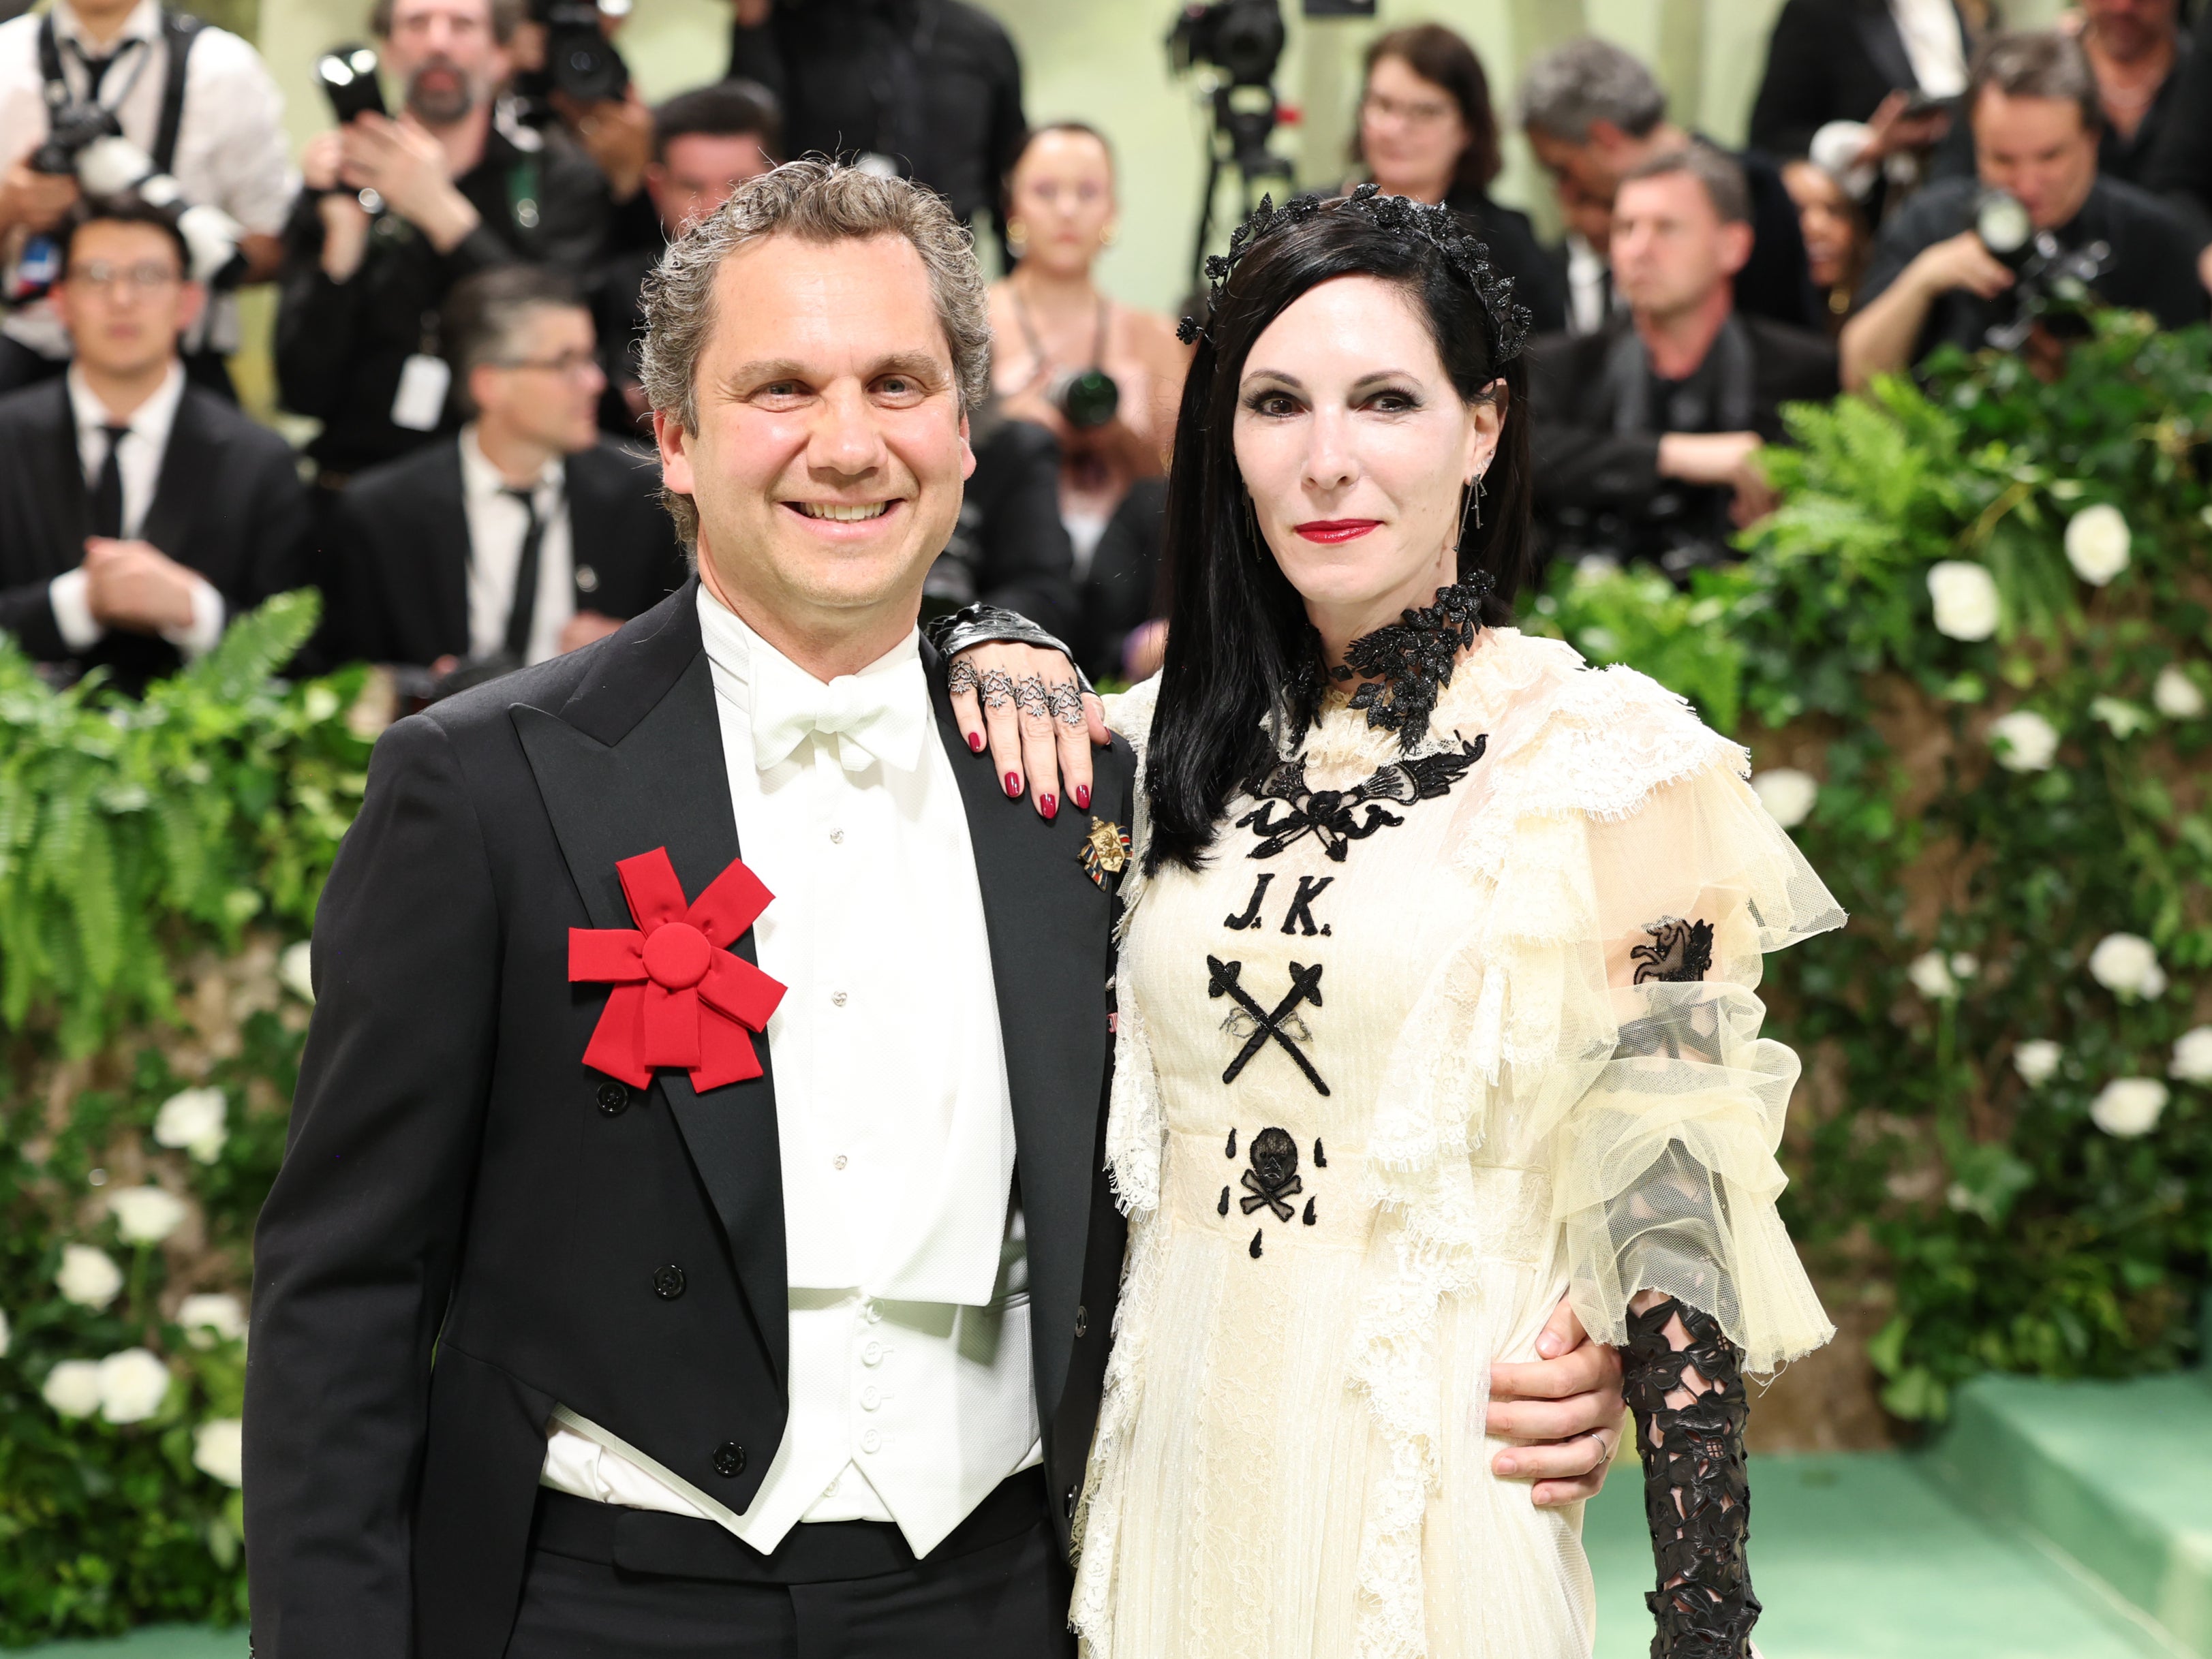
(1272, 1179)
(1679, 951)
(1331, 815)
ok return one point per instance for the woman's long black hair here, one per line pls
(1240, 659)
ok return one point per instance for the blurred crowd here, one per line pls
(460, 284)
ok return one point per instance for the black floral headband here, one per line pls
(1439, 226)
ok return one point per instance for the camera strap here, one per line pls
(178, 30)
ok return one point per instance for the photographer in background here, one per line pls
(525, 535)
(195, 100)
(1103, 377)
(1593, 113)
(705, 144)
(456, 192)
(138, 512)
(1643, 435)
(923, 89)
(2036, 118)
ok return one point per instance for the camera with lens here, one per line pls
(1242, 39)
(72, 130)
(1087, 398)
(580, 61)
(2052, 281)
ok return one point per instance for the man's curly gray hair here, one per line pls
(816, 201)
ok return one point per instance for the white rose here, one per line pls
(1964, 964)
(88, 1277)
(1931, 977)
(194, 1118)
(2097, 542)
(2024, 740)
(2128, 1106)
(2175, 695)
(219, 1450)
(73, 1387)
(2127, 966)
(210, 1317)
(1786, 793)
(2192, 1057)
(2035, 1060)
(145, 1215)
(1965, 598)
(293, 968)
(132, 1385)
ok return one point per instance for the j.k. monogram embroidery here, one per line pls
(1331, 817)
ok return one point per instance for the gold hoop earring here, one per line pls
(1110, 235)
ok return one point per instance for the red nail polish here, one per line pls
(975, 741)
(1048, 805)
(1013, 783)
(1082, 797)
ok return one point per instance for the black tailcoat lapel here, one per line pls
(444, 546)
(633, 761)
(1050, 926)
(187, 476)
(58, 479)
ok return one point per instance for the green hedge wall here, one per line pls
(1998, 762)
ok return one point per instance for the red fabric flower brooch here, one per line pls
(680, 998)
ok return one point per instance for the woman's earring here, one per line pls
(1478, 501)
(1017, 237)
(1110, 235)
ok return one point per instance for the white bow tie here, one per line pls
(881, 716)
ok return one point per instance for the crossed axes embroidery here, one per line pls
(1305, 987)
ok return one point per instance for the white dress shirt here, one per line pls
(497, 525)
(1934, 43)
(910, 1387)
(232, 152)
(1589, 288)
(138, 467)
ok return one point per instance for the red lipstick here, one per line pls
(1333, 531)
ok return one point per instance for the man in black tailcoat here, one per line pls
(709, 1062)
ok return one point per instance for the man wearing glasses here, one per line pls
(139, 514)
(523, 537)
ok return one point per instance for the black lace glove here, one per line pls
(1695, 1493)
(990, 624)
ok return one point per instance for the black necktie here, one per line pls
(524, 610)
(107, 486)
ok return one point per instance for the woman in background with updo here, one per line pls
(1427, 130)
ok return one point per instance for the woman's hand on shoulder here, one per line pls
(1023, 703)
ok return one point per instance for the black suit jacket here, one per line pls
(1828, 60)
(397, 550)
(457, 1179)
(228, 503)
(1589, 474)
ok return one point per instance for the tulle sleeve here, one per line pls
(1665, 1170)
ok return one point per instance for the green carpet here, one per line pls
(1855, 1557)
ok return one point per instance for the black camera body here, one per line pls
(348, 76)
(1242, 39)
(579, 60)
(2050, 282)
(1087, 398)
(71, 129)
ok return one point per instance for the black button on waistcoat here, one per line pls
(614, 1099)
(668, 1282)
(1082, 1321)
(729, 1459)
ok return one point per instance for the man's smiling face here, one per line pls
(831, 445)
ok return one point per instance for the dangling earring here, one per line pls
(1477, 503)
(1110, 235)
(1017, 237)
(1252, 522)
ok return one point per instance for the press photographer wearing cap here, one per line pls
(190, 100)
(454, 191)
(138, 512)
(1644, 434)
(527, 534)
(1936, 276)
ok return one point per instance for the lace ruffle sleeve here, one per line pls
(1666, 1172)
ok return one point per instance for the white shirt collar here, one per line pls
(744, 660)
(481, 482)
(151, 421)
(144, 23)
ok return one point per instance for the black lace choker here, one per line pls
(1409, 662)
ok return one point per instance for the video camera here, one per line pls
(1242, 39)
(2050, 282)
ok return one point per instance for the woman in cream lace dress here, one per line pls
(1437, 999)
